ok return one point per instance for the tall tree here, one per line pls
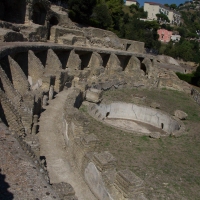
(81, 10)
(101, 16)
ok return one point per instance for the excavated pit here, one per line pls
(134, 118)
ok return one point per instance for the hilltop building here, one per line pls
(132, 2)
(155, 8)
(166, 36)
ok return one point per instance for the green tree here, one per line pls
(81, 10)
(101, 20)
(173, 6)
(162, 17)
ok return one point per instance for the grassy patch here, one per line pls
(169, 160)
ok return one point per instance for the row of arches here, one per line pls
(87, 59)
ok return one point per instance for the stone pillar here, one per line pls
(34, 129)
(27, 16)
(35, 125)
(104, 161)
(51, 92)
(44, 101)
(35, 119)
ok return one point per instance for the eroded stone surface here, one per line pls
(180, 114)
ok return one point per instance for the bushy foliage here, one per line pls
(186, 50)
(193, 78)
(102, 21)
(81, 10)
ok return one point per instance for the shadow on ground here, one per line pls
(4, 193)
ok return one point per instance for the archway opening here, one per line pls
(143, 68)
(162, 125)
(107, 114)
(13, 11)
(53, 21)
(39, 14)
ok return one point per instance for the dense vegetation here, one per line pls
(193, 78)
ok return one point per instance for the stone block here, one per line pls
(10, 36)
(65, 190)
(155, 135)
(133, 46)
(93, 95)
(180, 114)
(104, 161)
(94, 180)
(155, 105)
(128, 183)
(89, 141)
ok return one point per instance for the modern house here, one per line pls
(175, 38)
(132, 2)
(155, 8)
(164, 35)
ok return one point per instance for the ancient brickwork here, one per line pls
(113, 65)
(19, 79)
(10, 91)
(74, 61)
(35, 68)
(64, 138)
(12, 115)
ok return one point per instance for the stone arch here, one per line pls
(39, 14)
(53, 21)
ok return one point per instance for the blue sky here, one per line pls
(177, 2)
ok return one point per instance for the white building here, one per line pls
(131, 2)
(155, 8)
(175, 38)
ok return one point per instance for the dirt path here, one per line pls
(52, 147)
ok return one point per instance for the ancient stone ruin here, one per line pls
(48, 67)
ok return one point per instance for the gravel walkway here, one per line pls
(20, 178)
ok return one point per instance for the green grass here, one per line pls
(166, 160)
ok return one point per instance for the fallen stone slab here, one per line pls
(93, 95)
(180, 114)
(155, 135)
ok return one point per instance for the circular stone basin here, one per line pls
(133, 126)
(135, 118)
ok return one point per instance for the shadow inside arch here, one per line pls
(4, 193)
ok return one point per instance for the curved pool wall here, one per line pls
(128, 111)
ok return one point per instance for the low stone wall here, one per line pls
(196, 96)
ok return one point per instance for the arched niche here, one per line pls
(39, 14)
(53, 21)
